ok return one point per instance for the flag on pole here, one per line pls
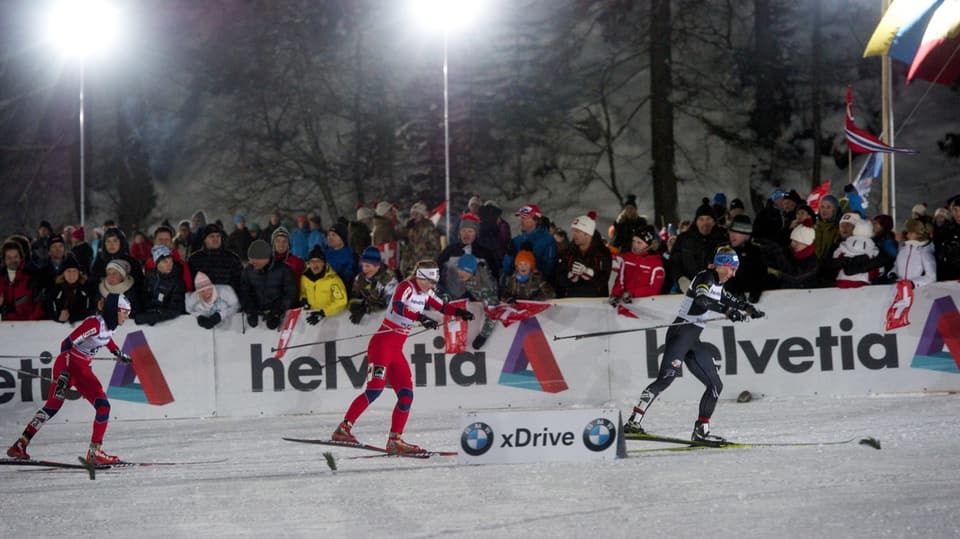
(938, 56)
(898, 314)
(900, 30)
(813, 199)
(860, 141)
(870, 172)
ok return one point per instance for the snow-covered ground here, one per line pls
(267, 487)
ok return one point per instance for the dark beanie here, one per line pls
(317, 252)
(259, 249)
(70, 262)
(54, 238)
(340, 229)
(705, 209)
(736, 203)
(371, 255)
(741, 223)
(212, 228)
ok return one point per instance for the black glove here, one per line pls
(428, 322)
(626, 297)
(314, 317)
(203, 321)
(123, 358)
(463, 314)
(357, 310)
(613, 301)
(753, 312)
(735, 316)
(252, 320)
(272, 320)
(213, 320)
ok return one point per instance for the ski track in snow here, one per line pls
(269, 487)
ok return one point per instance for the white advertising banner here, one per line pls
(812, 342)
(540, 436)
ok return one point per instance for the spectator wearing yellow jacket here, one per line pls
(321, 289)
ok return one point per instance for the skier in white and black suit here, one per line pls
(683, 345)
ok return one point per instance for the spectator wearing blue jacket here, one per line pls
(300, 238)
(340, 256)
(536, 236)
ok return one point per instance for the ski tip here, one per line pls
(91, 470)
(870, 441)
(331, 462)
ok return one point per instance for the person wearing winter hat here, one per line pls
(114, 246)
(213, 304)
(267, 287)
(72, 369)
(119, 281)
(422, 238)
(165, 291)
(385, 357)
(626, 222)
(720, 208)
(693, 250)
(752, 277)
(280, 241)
(219, 263)
(918, 211)
(803, 266)
(239, 239)
(583, 270)
(321, 290)
(706, 297)
(860, 243)
(70, 299)
(45, 271)
(81, 249)
(886, 239)
(915, 261)
(526, 283)
(535, 233)
(847, 223)
(372, 287)
(946, 241)
(641, 273)
(827, 227)
(339, 255)
(383, 229)
(736, 208)
(450, 283)
(481, 287)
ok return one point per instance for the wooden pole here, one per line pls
(887, 133)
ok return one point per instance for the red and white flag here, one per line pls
(390, 254)
(813, 199)
(899, 311)
(287, 332)
(860, 141)
(455, 330)
(437, 213)
(623, 311)
(508, 313)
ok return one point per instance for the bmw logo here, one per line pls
(599, 434)
(476, 439)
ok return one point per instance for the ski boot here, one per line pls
(342, 434)
(701, 433)
(18, 450)
(97, 457)
(397, 446)
(632, 426)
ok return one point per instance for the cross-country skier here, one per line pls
(683, 345)
(386, 362)
(72, 369)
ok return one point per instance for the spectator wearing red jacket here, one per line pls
(16, 288)
(641, 273)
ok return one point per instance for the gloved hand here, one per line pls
(577, 268)
(252, 319)
(213, 320)
(613, 301)
(357, 310)
(626, 297)
(123, 358)
(272, 320)
(753, 312)
(464, 314)
(203, 321)
(314, 317)
(735, 315)
(427, 322)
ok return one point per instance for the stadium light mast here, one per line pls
(82, 30)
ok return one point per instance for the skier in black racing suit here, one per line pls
(705, 295)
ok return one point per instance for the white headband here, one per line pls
(430, 274)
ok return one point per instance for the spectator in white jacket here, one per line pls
(212, 304)
(915, 260)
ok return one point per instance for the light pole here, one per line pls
(446, 15)
(81, 29)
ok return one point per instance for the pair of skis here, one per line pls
(686, 445)
(425, 454)
(92, 469)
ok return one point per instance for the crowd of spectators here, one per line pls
(199, 269)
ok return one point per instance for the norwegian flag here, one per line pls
(899, 311)
(859, 141)
(508, 313)
(390, 253)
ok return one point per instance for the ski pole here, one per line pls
(51, 356)
(619, 331)
(28, 373)
(342, 339)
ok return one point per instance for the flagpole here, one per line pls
(849, 165)
(886, 132)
